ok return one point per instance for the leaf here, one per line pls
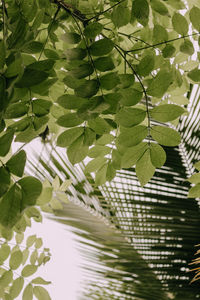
(19, 237)
(15, 260)
(140, 11)
(41, 107)
(69, 120)
(30, 240)
(144, 168)
(5, 181)
(105, 139)
(41, 293)
(89, 137)
(92, 30)
(132, 136)
(33, 47)
(88, 89)
(129, 117)
(165, 136)
(82, 71)
(16, 287)
(109, 81)
(160, 34)
(5, 142)
(28, 292)
(197, 165)
(104, 63)
(45, 196)
(75, 54)
(99, 125)
(194, 192)
(38, 243)
(71, 37)
(73, 82)
(160, 84)
(6, 278)
(132, 154)
(159, 7)
(194, 75)
(146, 65)
(187, 47)
(16, 110)
(10, 206)
(4, 253)
(158, 155)
(95, 164)
(168, 51)
(99, 150)
(180, 24)
(77, 151)
(111, 172)
(26, 135)
(40, 280)
(195, 178)
(42, 65)
(166, 112)
(195, 17)
(101, 47)
(100, 176)
(126, 80)
(29, 270)
(3, 54)
(31, 189)
(31, 77)
(121, 15)
(69, 136)
(16, 163)
(130, 96)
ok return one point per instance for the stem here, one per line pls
(165, 42)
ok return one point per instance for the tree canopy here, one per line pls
(107, 80)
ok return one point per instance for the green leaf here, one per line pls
(31, 189)
(5, 181)
(197, 165)
(4, 253)
(99, 150)
(82, 71)
(144, 168)
(187, 47)
(3, 54)
(26, 135)
(99, 125)
(195, 17)
(100, 176)
(16, 163)
(30, 240)
(92, 108)
(165, 136)
(88, 89)
(41, 107)
(31, 77)
(101, 47)
(130, 96)
(19, 237)
(126, 80)
(69, 120)
(45, 196)
(71, 37)
(166, 112)
(10, 206)
(69, 136)
(109, 81)
(168, 51)
(75, 54)
(29, 270)
(132, 155)
(16, 287)
(5, 142)
(146, 65)
(40, 280)
(180, 24)
(51, 54)
(111, 172)
(38, 243)
(160, 34)
(140, 11)
(195, 178)
(121, 15)
(41, 293)
(89, 137)
(132, 136)
(95, 164)
(15, 260)
(42, 65)
(33, 47)
(77, 151)
(159, 7)
(92, 30)
(105, 139)
(28, 292)
(194, 192)
(129, 117)
(194, 75)
(158, 155)
(6, 278)
(16, 110)
(160, 84)
(104, 63)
